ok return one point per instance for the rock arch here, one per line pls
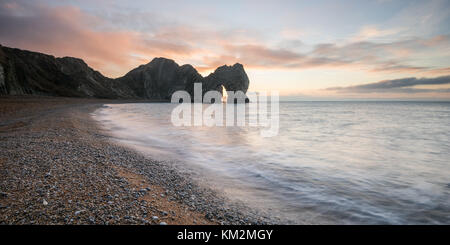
(232, 78)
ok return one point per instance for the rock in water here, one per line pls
(232, 78)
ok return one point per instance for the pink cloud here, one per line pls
(68, 31)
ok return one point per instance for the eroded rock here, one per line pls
(24, 72)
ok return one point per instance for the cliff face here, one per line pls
(160, 78)
(233, 78)
(24, 72)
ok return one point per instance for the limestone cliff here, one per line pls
(30, 73)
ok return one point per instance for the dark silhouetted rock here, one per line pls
(160, 78)
(232, 78)
(30, 73)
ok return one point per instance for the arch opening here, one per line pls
(224, 94)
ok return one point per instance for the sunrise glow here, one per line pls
(294, 51)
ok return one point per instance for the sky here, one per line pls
(307, 49)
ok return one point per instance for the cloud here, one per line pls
(67, 31)
(113, 49)
(373, 32)
(424, 18)
(384, 56)
(292, 33)
(403, 85)
(388, 57)
(106, 44)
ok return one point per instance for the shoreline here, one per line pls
(59, 167)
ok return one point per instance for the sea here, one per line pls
(331, 162)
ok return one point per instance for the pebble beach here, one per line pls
(58, 167)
